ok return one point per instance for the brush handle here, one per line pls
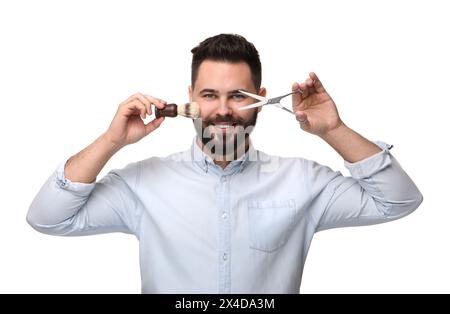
(170, 110)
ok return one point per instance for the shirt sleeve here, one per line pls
(63, 207)
(379, 190)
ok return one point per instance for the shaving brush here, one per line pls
(189, 110)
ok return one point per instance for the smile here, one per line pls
(224, 126)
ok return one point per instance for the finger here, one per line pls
(143, 113)
(135, 107)
(305, 90)
(148, 109)
(310, 85)
(141, 107)
(317, 83)
(156, 101)
(296, 97)
(132, 97)
(145, 102)
(302, 118)
(138, 97)
(127, 100)
(153, 125)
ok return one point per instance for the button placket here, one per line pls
(224, 236)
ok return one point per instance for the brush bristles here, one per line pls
(190, 110)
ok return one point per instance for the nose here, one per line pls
(224, 107)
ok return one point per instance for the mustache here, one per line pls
(223, 119)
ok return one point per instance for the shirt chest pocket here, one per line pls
(270, 223)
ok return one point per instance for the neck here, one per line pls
(224, 160)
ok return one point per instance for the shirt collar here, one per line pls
(205, 162)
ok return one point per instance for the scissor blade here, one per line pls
(258, 97)
(286, 109)
(256, 104)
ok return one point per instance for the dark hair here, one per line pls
(227, 47)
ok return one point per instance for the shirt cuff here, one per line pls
(371, 165)
(65, 184)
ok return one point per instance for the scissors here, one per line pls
(267, 101)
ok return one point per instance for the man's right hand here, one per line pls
(127, 127)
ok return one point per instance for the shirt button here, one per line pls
(223, 179)
(225, 256)
(224, 215)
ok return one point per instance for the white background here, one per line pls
(66, 65)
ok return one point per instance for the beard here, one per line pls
(225, 137)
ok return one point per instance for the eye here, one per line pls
(238, 97)
(209, 96)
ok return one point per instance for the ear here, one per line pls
(262, 92)
(190, 93)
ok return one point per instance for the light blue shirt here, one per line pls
(244, 229)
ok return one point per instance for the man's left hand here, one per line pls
(314, 108)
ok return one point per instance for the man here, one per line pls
(224, 217)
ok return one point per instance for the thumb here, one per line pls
(302, 117)
(153, 125)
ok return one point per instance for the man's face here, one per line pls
(223, 127)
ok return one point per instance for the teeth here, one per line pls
(223, 126)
